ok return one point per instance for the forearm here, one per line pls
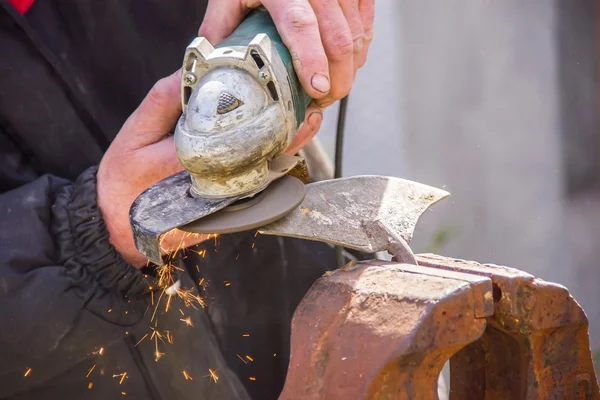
(66, 291)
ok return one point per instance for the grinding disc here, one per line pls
(277, 200)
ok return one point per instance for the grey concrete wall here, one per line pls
(468, 95)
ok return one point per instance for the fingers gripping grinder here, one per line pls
(242, 106)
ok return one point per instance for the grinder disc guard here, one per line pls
(277, 200)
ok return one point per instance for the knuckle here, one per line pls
(341, 43)
(300, 18)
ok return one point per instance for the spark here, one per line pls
(256, 234)
(90, 371)
(157, 354)
(140, 341)
(187, 376)
(203, 283)
(90, 385)
(27, 372)
(110, 310)
(181, 311)
(227, 283)
(124, 393)
(252, 378)
(240, 357)
(213, 375)
(152, 295)
(201, 253)
(168, 303)
(99, 352)
(249, 358)
(253, 244)
(156, 308)
(188, 321)
(156, 334)
(238, 256)
(123, 376)
(246, 335)
(197, 268)
(274, 354)
(169, 337)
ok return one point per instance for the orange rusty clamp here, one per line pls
(380, 330)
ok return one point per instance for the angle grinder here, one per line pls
(242, 106)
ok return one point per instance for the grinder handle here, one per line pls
(259, 21)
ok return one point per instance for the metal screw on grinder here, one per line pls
(189, 79)
(264, 75)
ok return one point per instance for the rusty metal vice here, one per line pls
(384, 330)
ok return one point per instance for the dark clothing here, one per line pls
(74, 317)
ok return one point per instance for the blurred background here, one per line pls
(496, 102)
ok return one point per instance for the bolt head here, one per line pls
(189, 79)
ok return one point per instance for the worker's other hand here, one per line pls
(142, 154)
(328, 41)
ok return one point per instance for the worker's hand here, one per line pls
(141, 155)
(328, 40)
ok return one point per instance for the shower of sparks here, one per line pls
(123, 376)
(187, 376)
(189, 298)
(213, 375)
(27, 372)
(252, 378)
(249, 358)
(90, 385)
(90, 371)
(240, 357)
(141, 340)
(188, 321)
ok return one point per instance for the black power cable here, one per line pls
(339, 149)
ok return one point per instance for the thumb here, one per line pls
(221, 19)
(157, 115)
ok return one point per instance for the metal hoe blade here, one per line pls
(166, 206)
(365, 213)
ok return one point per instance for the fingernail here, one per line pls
(320, 83)
(314, 120)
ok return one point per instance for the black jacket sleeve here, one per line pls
(64, 290)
